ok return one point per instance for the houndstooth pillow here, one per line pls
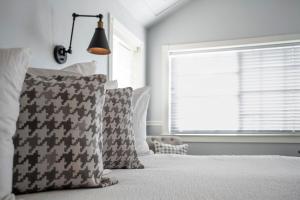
(58, 138)
(118, 139)
(162, 148)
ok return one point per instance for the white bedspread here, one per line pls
(171, 177)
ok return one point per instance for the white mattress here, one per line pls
(171, 177)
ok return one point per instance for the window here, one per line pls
(245, 89)
(124, 62)
(127, 57)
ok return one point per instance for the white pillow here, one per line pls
(13, 67)
(50, 72)
(140, 101)
(110, 85)
(78, 69)
(85, 69)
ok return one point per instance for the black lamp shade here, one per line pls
(99, 44)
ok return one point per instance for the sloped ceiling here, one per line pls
(147, 12)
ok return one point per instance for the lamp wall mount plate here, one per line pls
(60, 55)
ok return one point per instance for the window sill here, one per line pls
(234, 138)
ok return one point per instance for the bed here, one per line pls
(166, 177)
(172, 177)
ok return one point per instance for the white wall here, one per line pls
(213, 20)
(244, 149)
(42, 24)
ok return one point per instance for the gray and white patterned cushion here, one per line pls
(58, 138)
(118, 139)
(166, 139)
(161, 148)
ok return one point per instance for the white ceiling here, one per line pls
(149, 11)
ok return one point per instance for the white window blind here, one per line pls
(247, 89)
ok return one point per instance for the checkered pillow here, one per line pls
(118, 137)
(162, 148)
(58, 142)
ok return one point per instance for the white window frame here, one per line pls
(228, 137)
(124, 33)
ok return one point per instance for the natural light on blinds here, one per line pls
(253, 89)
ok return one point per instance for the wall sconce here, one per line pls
(98, 44)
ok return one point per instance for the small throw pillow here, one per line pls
(140, 101)
(58, 142)
(118, 139)
(162, 148)
(13, 67)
